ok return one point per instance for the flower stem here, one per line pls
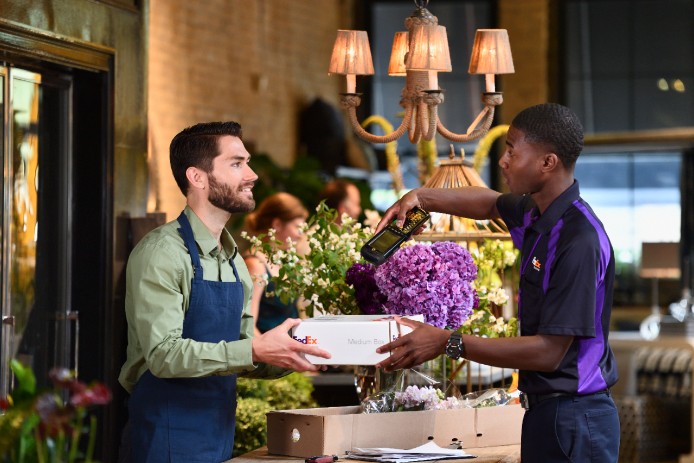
(92, 440)
(40, 451)
(75, 437)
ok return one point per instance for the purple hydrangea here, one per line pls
(433, 280)
(369, 299)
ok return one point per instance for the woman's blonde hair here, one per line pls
(283, 206)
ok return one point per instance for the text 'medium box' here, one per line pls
(350, 339)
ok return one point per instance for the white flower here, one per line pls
(499, 326)
(317, 274)
(498, 296)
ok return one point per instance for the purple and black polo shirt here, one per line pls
(567, 273)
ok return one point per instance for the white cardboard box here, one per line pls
(350, 339)
(337, 430)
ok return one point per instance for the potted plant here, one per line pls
(49, 426)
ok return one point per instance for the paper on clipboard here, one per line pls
(428, 451)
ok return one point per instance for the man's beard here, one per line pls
(224, 198)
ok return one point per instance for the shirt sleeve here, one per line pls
(155, 306)
(512, 209)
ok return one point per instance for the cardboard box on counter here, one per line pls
(350, 339)
(337, 430)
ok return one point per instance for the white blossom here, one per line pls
(498, 296)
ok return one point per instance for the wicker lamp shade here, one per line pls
(459, 173)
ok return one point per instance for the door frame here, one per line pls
(92, 152)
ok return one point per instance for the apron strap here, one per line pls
(189, 240)
(233, 267)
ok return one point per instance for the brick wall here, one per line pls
(257, 62)
(532, 44)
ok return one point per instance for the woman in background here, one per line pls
(285, 214)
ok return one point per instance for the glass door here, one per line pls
(38, 327)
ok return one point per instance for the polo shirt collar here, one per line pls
(204, 239)
(555, 211)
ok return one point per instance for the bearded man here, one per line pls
(190, 328)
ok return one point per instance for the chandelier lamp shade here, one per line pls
(351, 56)
(420, 54)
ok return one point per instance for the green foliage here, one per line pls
(16, 423)
(494, 259)
(304, 182)
(302, 179)
(257, 397)
(317, 276)
(251, 425)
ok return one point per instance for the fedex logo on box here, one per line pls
(350, 339)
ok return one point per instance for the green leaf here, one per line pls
(26, 381)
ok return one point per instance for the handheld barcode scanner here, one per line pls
(387, 241)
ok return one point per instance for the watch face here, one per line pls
(454, 348)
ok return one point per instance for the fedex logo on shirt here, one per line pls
(536, 264)
(306, 340)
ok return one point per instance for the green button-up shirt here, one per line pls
(158, 285)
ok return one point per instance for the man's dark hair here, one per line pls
(555, 126)
(334, 192)
(197, 146)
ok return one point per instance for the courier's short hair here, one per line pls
(197, 146)
(555, 126)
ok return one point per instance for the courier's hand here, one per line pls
(424, 343)
(276, 347)
(399, 210)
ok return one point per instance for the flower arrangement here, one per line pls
(41, 426)
(318, 275)
(412, 398)
(424, 398)
(452, 287)
(494, 259)
(434, 280)
(429, 397)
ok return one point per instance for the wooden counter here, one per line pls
(503, 454)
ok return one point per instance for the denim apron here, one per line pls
(191, 420)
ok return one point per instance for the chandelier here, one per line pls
(420, 54)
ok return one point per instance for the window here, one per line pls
(637, 197)
(628, 68)
(629, 63)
